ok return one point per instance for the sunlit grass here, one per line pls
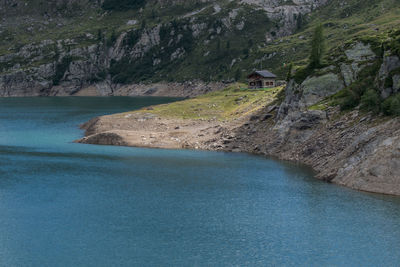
(232, 102)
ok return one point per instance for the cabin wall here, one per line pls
(257, 82)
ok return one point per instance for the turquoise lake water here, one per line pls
(67, 204)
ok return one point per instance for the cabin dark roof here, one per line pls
(264, 73)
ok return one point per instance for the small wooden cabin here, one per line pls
(261, 79)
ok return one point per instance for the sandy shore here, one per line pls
(149, 130)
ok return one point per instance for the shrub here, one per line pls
(362, 91)
(391, 106)
(350, 100)
(132, 37)
(122, 4)
(113, 38)
(289, 72)
(317, 47)
(370, 100)
(238, 75)
(302, 73)
(61, 68)
(388, 82)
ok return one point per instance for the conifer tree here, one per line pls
(289, 72)
(238, 75)
(317, 47)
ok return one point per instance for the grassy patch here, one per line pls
(218, 52)
(228, 104)
(319, 106)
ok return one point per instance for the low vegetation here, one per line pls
(61, 67)
(230, 103)
(122, 4)
(226, 55)
(365, 91)
(391, 105)
(316, 56)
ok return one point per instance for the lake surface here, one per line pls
(67, 204)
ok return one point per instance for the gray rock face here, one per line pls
(285, 13)
(292, 101)
(107, 138)
(315, 89)
(372, 161)
(23, 71)
(299, 97)
(359, 55)
(353, 150)
(396, 83)
(389, 64)
(360, 52)
(21, 83)
(349, 72)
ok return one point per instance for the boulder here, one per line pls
(360, 52)
(317, 88)
(396, 83)
(389, 64)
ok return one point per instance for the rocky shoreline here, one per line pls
(356, 150)
(107, 88)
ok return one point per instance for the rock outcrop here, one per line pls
(108, 60)
(357, 149)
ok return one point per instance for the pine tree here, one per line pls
(113, 38)
(289, 73)
(300, 21)
(143, 26)
(99, 35)
(238, 75)
(317, 47)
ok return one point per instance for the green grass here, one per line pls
(355, 19)
(366, 19)
(228, 104)
(319, 106)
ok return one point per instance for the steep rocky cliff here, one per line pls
(62, 47)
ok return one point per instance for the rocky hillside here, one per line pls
(341, 118)
(69, 47)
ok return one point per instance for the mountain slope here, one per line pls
(61, 47)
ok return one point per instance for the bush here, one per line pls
(370, 100)
(61, 68)
(122, 4)
(388, 82)
(238, 75)
(302, 73)
(132, 38)
(350, 100)
(289, 72)
(113, 38)
(391, 106)
(317, 47)
(362, 91)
